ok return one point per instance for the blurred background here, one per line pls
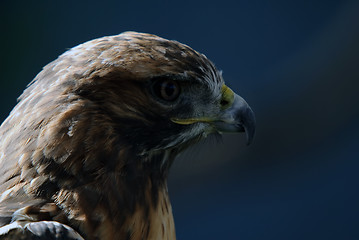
(295, 62)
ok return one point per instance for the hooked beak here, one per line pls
(237, 116)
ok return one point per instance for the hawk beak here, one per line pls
(235, 116)
(239, 117)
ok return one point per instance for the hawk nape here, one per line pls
(86, 151)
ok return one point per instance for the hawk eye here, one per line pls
(166, 89)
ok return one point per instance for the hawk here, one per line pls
(85, 153)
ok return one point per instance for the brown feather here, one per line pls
(89, 147)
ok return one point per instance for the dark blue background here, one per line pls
(295, 62)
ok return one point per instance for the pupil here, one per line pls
(169, 89)
(165, 89)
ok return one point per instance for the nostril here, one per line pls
(224, 103)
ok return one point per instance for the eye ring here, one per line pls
(166, 89)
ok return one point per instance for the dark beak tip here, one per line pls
(249, 124)
(250, 137)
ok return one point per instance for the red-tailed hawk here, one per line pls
(86, 151)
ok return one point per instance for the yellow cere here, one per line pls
(227, 98)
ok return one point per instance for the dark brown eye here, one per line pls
(167, 90)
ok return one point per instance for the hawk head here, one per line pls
(93, 136)
(159, 94)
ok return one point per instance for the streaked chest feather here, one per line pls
(151, 222)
